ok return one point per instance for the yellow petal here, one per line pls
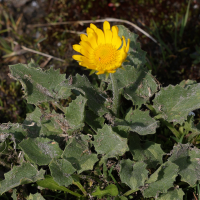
(89, 30)
(77, 48)
(87, 65)
(122, 52)
(117, 29)
(87, 46)
(106, 26)
(100, 72)
(127, 46)
(77, 57)
(111, 71)
(92, 26)
(124, 42)
(116, 40)
(93, 41)
(100, 36)
(108, 36)
(85, 53)
(83, 37)
(86, 60)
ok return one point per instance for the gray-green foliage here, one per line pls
(76, 140)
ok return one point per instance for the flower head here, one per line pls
(101, 49)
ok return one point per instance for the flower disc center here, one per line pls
(105, 54)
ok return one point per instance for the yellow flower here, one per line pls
(101, 49)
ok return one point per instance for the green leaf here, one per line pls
(110, 190)
(109, 143)
(19, 175)
(95, 98)
(136, 57)
(148, 152)
(138, 121)
(172, 194)
(14, 194)
(134, 174)
(41, 150)
(174, 103)
(123, 131)
(39, 85)
(161, 180)
(187, 158)
(61, 171)
(79, 155)
(185, 83)
(75, 112)
(53, 124)
(32, 123)
(36, 196)
(137, 85)
(136, 81)
(94, 121)
(49, 183)
(16, 130)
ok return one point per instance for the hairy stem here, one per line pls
(116, 95)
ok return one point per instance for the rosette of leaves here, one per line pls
(83, 141)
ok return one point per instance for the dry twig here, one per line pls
(95, 21)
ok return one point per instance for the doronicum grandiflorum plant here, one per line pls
(104, 142)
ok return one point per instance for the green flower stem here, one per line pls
(78, 184)
(198, 190)
(116, 95)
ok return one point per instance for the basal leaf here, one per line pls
(77, 152)
(110, 190)
(93, 120)
(185, 83)
(49, 183)
(32, 123)
(61, 171)
(139, 121)
(109, 143)
(75, 112)
(123, 131)
(39, 85)
(136, 84)
(174, 103)
(14, 194)
(53, 124)
(172, 194)
(188, 161)
(161, 180)
(141, 87)
(146, 151)
(19, 175)
(16, 130)
(95, 98)
(134, 174)
(41, 150)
